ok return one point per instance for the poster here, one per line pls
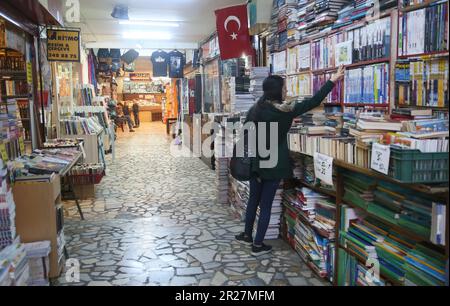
(63, 45)
(344, 53)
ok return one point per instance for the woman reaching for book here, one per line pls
(266, 181)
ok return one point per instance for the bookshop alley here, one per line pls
(118, 166)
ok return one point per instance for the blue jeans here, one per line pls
(262, 194)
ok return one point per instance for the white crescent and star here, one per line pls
(234, 36)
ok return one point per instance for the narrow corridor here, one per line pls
(155, 221)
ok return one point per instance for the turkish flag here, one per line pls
(232, 30)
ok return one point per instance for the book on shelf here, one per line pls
(384, 125)
(424, 30)
(422, 82)
(367, 85)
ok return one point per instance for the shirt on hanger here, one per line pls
(160, 62)
(176, 65)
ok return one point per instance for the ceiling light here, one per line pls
(147, 35)
(150, 23)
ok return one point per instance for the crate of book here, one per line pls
(87, 174)
(413, 166)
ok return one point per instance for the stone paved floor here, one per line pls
(155, 222)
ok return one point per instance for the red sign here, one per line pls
(233, 33)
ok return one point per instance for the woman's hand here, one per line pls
(339, 75)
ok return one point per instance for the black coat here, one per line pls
(269, 113)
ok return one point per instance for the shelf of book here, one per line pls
(354, 65)
(319, 189)
(363, 261)
(418, 6)
(437, 191)
(393, 226)
(431, 54)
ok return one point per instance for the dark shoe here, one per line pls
(132, 131)
(261, 250)
(244, 239)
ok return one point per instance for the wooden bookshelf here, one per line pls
(363, 261)
(415, 7)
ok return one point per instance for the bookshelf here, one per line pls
(438, 193)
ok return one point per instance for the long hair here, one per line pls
(273, 91)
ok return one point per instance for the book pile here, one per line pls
(361, 9)
(353, 273)
(14, 268)
(257, 77)
(291, 198)
(221, 165)
(38, 261)
(273, 232)
(7, 211)
(315, 250)
(344, 16)
(43, 162)
(239, 193)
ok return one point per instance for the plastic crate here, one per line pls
(413, 166)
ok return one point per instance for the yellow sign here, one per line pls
(63, 45)
(3, 152)
(29, 73)
(21, 146)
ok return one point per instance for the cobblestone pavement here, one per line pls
(155, 221)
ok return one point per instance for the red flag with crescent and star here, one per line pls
(233, 33)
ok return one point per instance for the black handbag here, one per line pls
(241, 167)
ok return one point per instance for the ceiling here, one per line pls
(196, 19)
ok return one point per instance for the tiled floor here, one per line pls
(155, 221)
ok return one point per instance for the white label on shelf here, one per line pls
(323, 168)
(381, 155)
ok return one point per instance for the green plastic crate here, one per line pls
(413, 166)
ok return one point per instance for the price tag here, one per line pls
(381, 155)
(21, 145)
(323, 168)
(3, 152)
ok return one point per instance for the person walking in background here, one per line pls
(136, 110)
(266, 181)
(127, 115)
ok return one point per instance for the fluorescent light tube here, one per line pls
(150, 23)
(147, 35)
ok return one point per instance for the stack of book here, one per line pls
(13, 261)
(257, 77)
(361, 8)
(344, 16)
(239, 193)
(221, 167)
(273, 232)
(7, 211)
(315, 250)
(38, 260)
